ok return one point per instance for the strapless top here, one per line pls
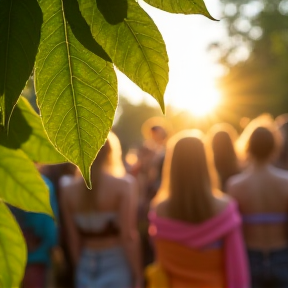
(265, 218)
(97, 224)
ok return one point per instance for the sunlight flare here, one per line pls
(200, 101)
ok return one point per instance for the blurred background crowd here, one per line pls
(196, 198)
(184, 209)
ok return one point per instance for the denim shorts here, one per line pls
(106, 268)
(269, 270)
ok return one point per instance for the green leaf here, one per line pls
(26, 132)
(76, 91)
(20, 24)
(21, 183)
(182, 6)
(81, 30)
(13, 253)
(132, 40)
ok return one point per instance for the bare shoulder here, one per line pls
(235, 183)
(129, 179)
(161, 208)
(124, 185)
(236, 180)
(281, 177)
(69, 192)
(281, 174)
(222, 201)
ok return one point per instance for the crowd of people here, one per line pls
(193, 211)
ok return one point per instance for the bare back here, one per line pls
(262, 191)
(109, 198)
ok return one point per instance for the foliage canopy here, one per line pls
(255, 56)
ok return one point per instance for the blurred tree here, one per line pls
(255, 57)
(129, 123)
(130, 118)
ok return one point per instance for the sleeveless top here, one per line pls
(265, 218)
(97, 224)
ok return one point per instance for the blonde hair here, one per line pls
(108, 160)
(186, 180)
(114, 164)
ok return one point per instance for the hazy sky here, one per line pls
(192, 69)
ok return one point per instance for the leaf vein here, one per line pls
(59, 127)
(94, 102)
(144, 54)
(93, 88)
(45, 58)
(51, 114)
(52, 80)
(94, 71)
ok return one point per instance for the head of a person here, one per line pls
(222, 146)
(224, 155)
(109, 158)
(186, 179)
(265, 122)
(158, 134)
(262, 145)
(188, 161)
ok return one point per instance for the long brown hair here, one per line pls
(108, 160)
(224, 155)
(186, 180)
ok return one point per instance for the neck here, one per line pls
(260, 166)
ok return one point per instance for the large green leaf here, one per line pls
(20, 23)
(81, 29)
(181, 6)
(21, 183)
(26, 132)
(76, 90)
(132, 40)
(13, 252)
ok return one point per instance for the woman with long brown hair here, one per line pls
(196, 233)
(224, 155)
(101, 223)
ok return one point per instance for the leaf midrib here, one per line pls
(140, 45)
(72, 86)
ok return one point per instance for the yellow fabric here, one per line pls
(156, 276)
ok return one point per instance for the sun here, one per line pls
(199, 101)
(192, 72)
(203, 105)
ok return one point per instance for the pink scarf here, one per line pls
(225, 226)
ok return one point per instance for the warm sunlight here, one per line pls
(192, 72)
(200, 102)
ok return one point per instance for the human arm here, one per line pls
(128, 230)
(44, 228)
(70, 230)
